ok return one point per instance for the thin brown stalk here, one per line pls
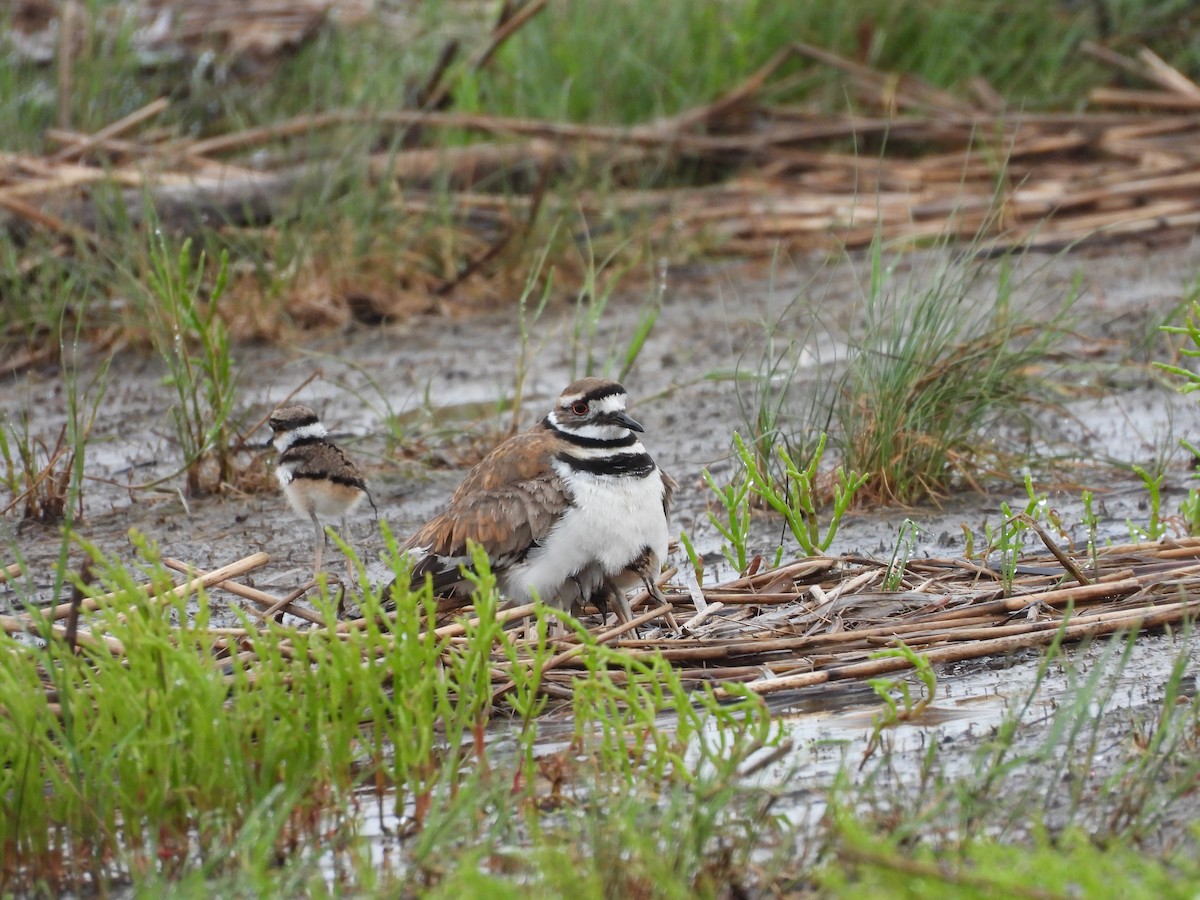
(125, 123)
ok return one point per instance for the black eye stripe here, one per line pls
(289, 418)
(291, 424)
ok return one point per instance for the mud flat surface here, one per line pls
(443, 380)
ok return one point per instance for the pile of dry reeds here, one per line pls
(929, 164)
(809, 622)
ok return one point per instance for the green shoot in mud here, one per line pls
(1190, 506)
(693, 555)
(898, 702)
(797, 498)
(1005, 541)
(191, 339)
(36, 474)
(1090, 521)
(1154, 527)
(735, 529)
(1008, 539)
(16, 472)
(1189, 511)
(1190, 330)
(44, 480)
(906, 543)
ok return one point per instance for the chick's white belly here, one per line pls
(313, 495)
(612, 521)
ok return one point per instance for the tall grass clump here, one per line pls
(945, 369)
(937, 385)
(179, 307)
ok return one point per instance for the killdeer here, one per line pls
(316, 475)
(572, 510)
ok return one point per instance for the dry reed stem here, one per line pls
(27, 625)
(254, 595)
(125, 123)
(1031, 637)
(205, 580)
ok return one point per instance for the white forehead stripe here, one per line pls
(316, 430)
(285, 439)
(611, 403)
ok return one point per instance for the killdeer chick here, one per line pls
(316, 475)
(573, 510)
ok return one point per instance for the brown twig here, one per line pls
(1066, 561)
(254, 595)
(125, 123)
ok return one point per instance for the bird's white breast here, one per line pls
(611, 521)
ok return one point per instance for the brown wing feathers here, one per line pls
(507, 503)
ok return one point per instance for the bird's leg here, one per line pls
(620, 602)
(643, 570)
(581, 600)
(349, 561)
(556, 629)
(320, 549)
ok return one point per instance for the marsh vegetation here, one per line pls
(442, 215)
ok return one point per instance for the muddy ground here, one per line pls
(443, 378)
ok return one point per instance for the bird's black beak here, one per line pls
(269, 443)
(622, 418)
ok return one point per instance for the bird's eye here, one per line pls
(579, 407)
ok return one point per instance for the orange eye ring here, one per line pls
(579, 407)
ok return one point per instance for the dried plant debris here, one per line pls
(804, 624)
(947, 167)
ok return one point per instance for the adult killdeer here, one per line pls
(316, 475)
(572, 510)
